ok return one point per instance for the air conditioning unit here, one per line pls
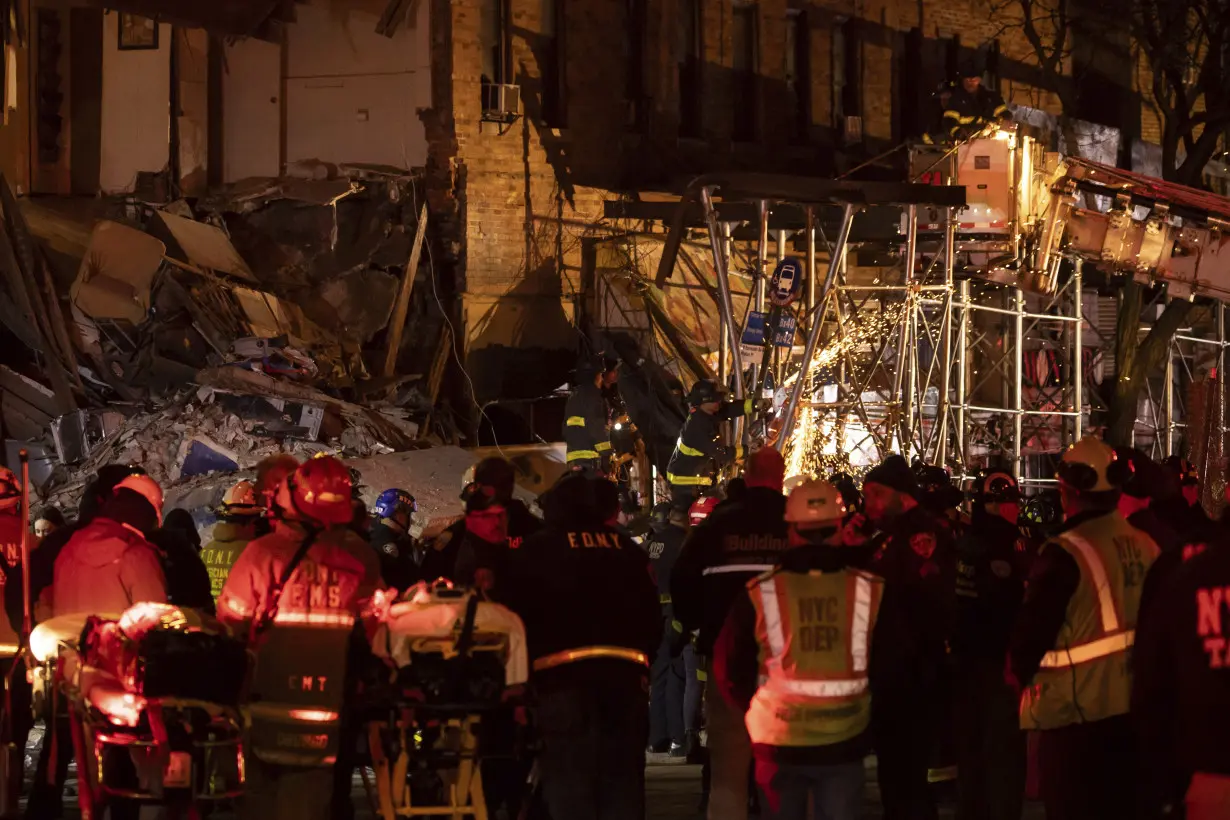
(501, 102)
(852, 130)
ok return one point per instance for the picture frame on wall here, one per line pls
(137, 33)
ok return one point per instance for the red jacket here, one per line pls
(10, 572)
(333, 582)
(105, 568)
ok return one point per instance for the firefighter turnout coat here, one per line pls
(220, 554)
(698, 444)
(10, 542)
(1084, 675)
(585, 424)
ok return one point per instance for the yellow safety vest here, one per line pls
(814, 632)
(1087, 676)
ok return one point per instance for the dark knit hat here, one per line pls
(895, 473)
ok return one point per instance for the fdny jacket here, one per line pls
(585, 423)
(579, 585)
(10, 562)
(106, 567)
(917, 562)
(335, 580)
(733, 545)
(230, 539)
(187, 578)
(990, 587)
(1181, 685)
(967, 114)
(698, 444)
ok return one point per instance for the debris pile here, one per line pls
(198, 336)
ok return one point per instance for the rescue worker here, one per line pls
(914, 553)
(483, 552)
(938, 496)
(734, 544)
(704, 506)
(1180, 694)
(297, 594)
(110, 564)
(972, 108)
(794, 658)
(991, 571)
(936, 123)
(586, 423)
(47, 791)
(12, 528)
(667, 722)
(592, 619)
(494, 472)
(1136, 499)
(691, 465)
(1183, 511)
(238, 518)
(1070, 648)
(390, 537)
(188, 583)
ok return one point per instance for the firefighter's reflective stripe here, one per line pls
(688, 480)
(942, 774)
(689, 451)
(8, 650)
(583, 653)
(664, 599)
(332, 619)
(814, 630)
(1000, 110)
(1113, 640)
(1086, 676)
(747, 407)
(724, 568)
(575, 421)
(602, 446)
(580, 455)
(677, 626)
(1091, 651)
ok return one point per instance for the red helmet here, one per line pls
(318, 491)
(701, 509)
(10, 489)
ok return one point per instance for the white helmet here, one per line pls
(815, 504)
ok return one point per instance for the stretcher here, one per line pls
(455, 660)
(153, 702)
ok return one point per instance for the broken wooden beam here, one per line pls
(397, 322)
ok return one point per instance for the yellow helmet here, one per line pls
(1091, 465)
(241, 500)
(813, 504)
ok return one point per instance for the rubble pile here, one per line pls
(199, 336)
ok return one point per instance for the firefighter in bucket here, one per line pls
(297, 594)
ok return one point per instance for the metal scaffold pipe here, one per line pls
(950, 241)
(717, 242)
(1018, 368)
(836, 258)
(1078, 358)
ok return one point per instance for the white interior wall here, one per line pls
(252, 110)
(136, 108)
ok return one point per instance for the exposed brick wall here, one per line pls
(521, 198)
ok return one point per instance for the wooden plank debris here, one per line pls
(397, 322)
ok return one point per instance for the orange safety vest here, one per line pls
(814, 632)
(1087, 676)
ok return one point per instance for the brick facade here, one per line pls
(515, 202)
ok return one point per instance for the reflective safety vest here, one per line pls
(814, 632)
(1087, 676)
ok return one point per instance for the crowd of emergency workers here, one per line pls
(818, 621)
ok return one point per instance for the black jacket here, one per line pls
(749, 533)
(396, 551)
(916, 558)
(440, 558)
(188, 582)
(698, 443)
(736, 663)
(664, 544)
(582, 587)
(1181, 683)
(585, 423)
(990, 587)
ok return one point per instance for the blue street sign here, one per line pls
(753, 334)
(784, 285)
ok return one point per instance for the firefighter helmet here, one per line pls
(145, 487)
(661, 514)
(701, 508)
(397, 506)
(1182, 469)
(814, 504)
(996, 487)
(241, 500)
(704, 391)
(1090, 465)
(318, 491)
(10, 489)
